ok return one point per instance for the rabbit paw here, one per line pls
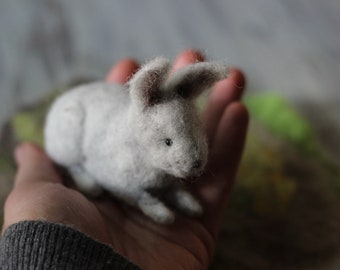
(187, 203)
(156, 210)
(85, 182)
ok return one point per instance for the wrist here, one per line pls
(49, 245)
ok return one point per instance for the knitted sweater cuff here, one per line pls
(44, 245)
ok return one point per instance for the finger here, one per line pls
(34, 166)
(225, 92)
(222, 167)
(186, 58)
(230, 137)
(122, 71)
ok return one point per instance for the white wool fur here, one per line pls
(135, 140)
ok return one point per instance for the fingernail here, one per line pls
(238, 77)
(193, 55)
(233, 72)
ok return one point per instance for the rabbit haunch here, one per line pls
(135, 139)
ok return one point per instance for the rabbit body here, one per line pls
(135, 140)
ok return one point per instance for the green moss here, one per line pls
(262, 177)
(282, 119)
(26, 128)
(27, 125)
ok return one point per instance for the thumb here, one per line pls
(34, 166)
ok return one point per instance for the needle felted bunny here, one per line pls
(135, 140)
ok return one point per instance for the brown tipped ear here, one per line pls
(190, 81)
(145, 85)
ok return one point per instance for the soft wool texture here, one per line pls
(136, 138)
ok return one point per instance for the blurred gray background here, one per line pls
(290, 46)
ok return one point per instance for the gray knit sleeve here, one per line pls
(44, 245)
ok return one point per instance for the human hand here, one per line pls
(39, 192)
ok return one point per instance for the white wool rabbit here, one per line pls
(135, 140)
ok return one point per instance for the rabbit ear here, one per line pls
(145, 85)
(190, 81)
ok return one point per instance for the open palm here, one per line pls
(39, 192)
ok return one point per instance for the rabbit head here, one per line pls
(168, 124)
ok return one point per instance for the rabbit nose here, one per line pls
(197, 164)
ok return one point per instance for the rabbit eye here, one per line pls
(168, 142)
